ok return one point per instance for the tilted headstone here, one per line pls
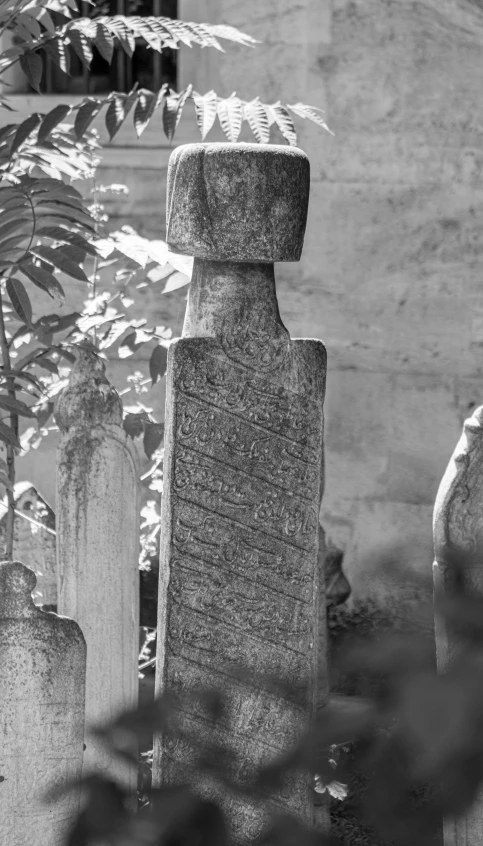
(42, 687)
(458, 528)
(98, 548)
(34, 541)
(239, 580)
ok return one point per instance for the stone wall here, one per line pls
(391, 277)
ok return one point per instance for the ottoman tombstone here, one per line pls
(42, 688)
(238, 584)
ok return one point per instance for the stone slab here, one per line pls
(42, 687)
(240, 588)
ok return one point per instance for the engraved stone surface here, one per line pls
(42, 687)
(239, 579)
(458, 527)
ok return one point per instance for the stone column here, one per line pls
(42, 687)
(98, 548)
(238, 582)
(458, 528)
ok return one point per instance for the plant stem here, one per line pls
(6, 363)
(95, 194)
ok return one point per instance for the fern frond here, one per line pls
(44, 229)
(47, 142)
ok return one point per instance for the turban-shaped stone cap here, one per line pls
(238, 202)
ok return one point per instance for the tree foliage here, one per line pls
(51, 234)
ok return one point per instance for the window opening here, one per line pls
(147, 67)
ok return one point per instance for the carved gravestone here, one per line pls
(34, 541)
(98, 550)
(239, 581)
(42, 687)
(458, 532)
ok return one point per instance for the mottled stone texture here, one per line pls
(242, 202)
(98, 548)
(239, 579)
(42, 686)
(458, 528)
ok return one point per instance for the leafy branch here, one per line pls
(49, 233)
(45, 140)
(36, 31)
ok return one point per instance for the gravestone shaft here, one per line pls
(242, 489)
(458, 537)
(42, 689)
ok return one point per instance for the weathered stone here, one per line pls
(239, 580)
(98, 548)
(458, 531)
(243, 202)
(34, 541)
(42, 686)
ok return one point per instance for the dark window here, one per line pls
(147, 67)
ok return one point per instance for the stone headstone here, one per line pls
(458, 529)
(239, 581)
(34, 541)
(98, 550)
(42, 687)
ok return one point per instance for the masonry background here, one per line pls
(391, 277)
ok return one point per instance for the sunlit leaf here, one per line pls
(45, 19)
(43, 279)
(256, 115)
(115, 114)
(30, 23)
(86, 115)
(173, 108)
(58, 52)
(31, 64)
(175, 281)
(20, 300)
(58, 233)
(45, 414)
(310, 113)
(143, 111)
(284, 123)
(24, 131)
(15, 406)
(158, 363)
(230, 113)
(47, 364)
(51, 120)
(206, 108)
(153, 437)
(61, 259)
(8, 436)
(104, 42)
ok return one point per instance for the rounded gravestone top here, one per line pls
(238, 202)
(89, 399)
